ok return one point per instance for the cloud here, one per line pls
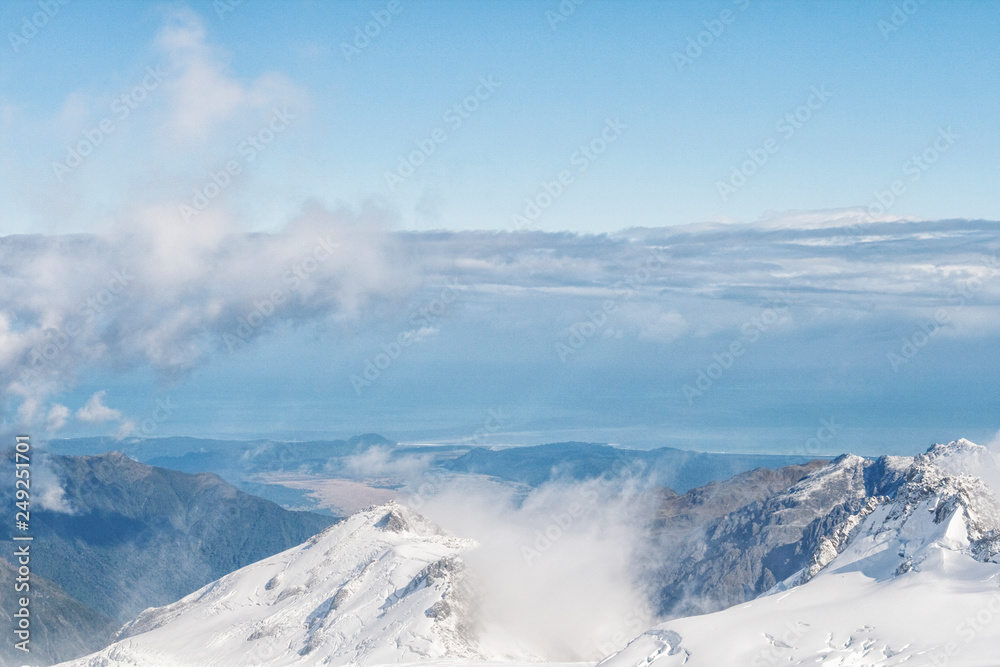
(168, 296)
(47, 490)
(664, 329)
(56, 418)
(419, 335)
(555, 567)
(994, 443)
(381, 462)
(654, 324)
(202, 94)
(126, 429)
(95, 411)
(711, 275)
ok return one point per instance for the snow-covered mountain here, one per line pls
(384, 586)
(112, 523)
(890, 561)
(911, 578)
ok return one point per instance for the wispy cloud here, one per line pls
(95, 411)
(163, 296)
(168, 298)
(203, 94)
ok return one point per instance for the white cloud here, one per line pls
(169, 296)
(655, 325)
(555, 567)
(47, 490)
(202, 93)
(126, 429)
(95, 411)
(380, 462)
(419, 335)
(56, 418)
(994, 444)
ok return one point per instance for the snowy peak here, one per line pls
(914, 506)
(922, 547)
(400, 519)
(963, 457)
(383, 586)
(958, 480)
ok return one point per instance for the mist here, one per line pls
(555, 570)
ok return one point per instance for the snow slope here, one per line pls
(382, 587)
(909, 580)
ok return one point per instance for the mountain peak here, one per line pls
(383, 586)
(956, 446)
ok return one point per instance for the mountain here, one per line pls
(237, 460)
(61, 627)
(126, 536)
(146, 449)
(225, 457)
(711, 563)
(676, 469)
(889, 561)
(910, 576)
(715, 499)
(385, 586)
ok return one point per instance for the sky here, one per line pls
(239, 206)
(690, 121)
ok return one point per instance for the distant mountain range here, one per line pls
(239, 461)
(676, 469)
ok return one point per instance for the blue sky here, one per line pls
(797, 164)
(890, 93)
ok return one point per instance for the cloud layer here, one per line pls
(410, 313)
(167, 297)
